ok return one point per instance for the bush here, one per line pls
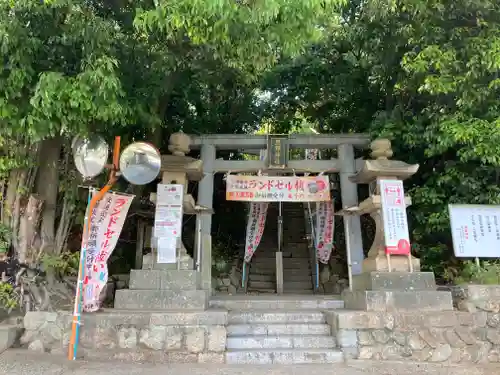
(8, 300)
(65, 264)
(471, 273)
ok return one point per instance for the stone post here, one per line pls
(379, 288)
(349, 194)
(205, 199)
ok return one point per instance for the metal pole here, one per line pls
(347, 229)
(198, 246)
(280, 226)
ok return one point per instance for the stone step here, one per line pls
(288, 272)
(281, 342)
(261, 285)
(261, 290)
(260, 303)
(272, 277)
(161, 299)
(277, 329)
(160, 279)
(255, 316)
(284, 357)
(298, 285)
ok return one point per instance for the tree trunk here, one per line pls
(47, 186)
(27, 252)
(64, 225)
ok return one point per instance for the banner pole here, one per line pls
(73, 343)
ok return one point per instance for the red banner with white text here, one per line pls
(255, 228)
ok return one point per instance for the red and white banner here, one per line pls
(396, 234)
(324, 231)
(277, 188)
(106, 224)
(255, 228)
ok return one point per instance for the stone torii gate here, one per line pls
(277, 146)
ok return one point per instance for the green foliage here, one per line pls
(8, 300)
(65, 264)
(5, 238)
(487, 274)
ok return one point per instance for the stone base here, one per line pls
(427, 300)
(160, 279)
(398, 264)
(394, 281)
(148, 263)
(133, 335)
(161, 299)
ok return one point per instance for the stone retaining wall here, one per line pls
(449, 336)
(136, 336)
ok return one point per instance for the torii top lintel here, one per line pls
(258, 141)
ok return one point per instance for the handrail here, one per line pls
(245, 276)
(312, 248)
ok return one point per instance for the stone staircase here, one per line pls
(269, 331)
(297, 274)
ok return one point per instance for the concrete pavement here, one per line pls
(23, 362)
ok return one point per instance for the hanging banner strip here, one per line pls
(106, 224)
(324, 231)
(255, 228)
(277, 188)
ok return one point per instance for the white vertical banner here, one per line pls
(396, 233)
(106, 224)
(324, 230)
(255, 228)
(168, 221)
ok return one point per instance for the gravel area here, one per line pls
(22, 362)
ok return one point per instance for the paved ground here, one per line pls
(18, 362)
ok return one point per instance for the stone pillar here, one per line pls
(349, 194)
(379, 288)
(205, 198)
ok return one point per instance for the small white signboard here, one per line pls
(168, 221)
(475, 230)
(397, 237)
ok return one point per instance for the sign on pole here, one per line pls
(475, 230)
(396, 234)
(277, 188)
(168, 221)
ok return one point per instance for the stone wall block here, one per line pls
(367, 352)
(488, 305)
(432, 336)
(493, 320)
(466, 334)
(415, 341)
(153, 337)
(422, 355)
(381, 336)
(453, 339)
(173, 338)
(480, 318)
(195, 339)
(127, 337)
(493, 336)
(105, 338)
(400, 338)
(347, 338)
(441, 353)
(479, 352)
(216, 340)
(365, 338)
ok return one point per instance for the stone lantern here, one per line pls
(178, 169)
(394, 285)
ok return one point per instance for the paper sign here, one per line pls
(167, 250)
(396, 235)
(475, 230)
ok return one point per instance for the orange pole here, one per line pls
(86, 229)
